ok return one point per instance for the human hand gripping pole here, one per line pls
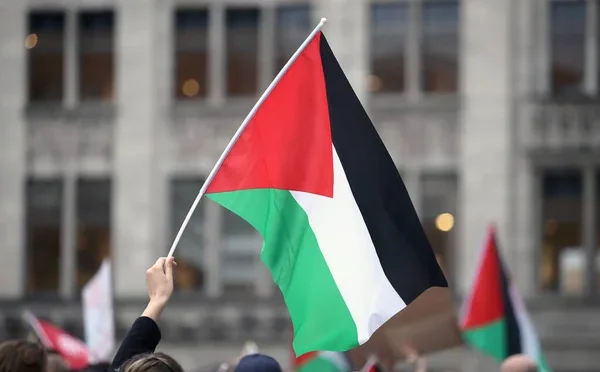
(159, 282)
(239, 132)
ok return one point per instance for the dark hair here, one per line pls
(55, 363)
(22, 356)
(157, 362)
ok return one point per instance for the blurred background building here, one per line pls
(112, 114)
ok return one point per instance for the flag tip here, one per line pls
(323, 21)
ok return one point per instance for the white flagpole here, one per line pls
(239, 132)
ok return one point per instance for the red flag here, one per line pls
(74, 352)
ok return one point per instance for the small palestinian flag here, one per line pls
(341, 237)
(494, 318)
(372, 365)
(323, 361)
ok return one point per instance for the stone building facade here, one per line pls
(112, 113)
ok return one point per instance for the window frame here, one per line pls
(79, 52)
(591, 42)
(542, 166)
(414, 89)
(176, 10)
(30, 14)
(171, 229)
(260, 23)
(60, 183)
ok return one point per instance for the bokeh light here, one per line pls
(190, 88)
(444, 222)
(31, 41)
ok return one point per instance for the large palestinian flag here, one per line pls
(341, 237)
(494, 319)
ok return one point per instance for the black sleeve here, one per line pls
(142, 338)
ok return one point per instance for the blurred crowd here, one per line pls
(137, 351)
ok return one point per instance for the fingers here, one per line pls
(158, 265)
(162, 264)
(170, 262)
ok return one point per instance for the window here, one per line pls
(93, 227)
(191, 60)
(45, 43)
(189, 275)
(241, 249)
(438, 217)
(389, 24)
(43, 229)
(293, 26)
(562, 264)
(242, 51)
(96, 59)
(440, 46)
(568, 23)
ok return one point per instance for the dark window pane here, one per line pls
(440, 46)
(293, 26)
(562, 258)
(96, 59)
(568, 19)
(191, 60)
(241, 249)
(242, 51)
(44, 210)
(45, 42)
(389, 24)
(438, 216)
(93, 227)
(189, 275)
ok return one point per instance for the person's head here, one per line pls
(257, 363)
(22, 356)
(56, 364)
(518, 363)
(157, 362)
(98, 367)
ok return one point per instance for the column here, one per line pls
(347, 33)
(589, 226)
(164, 80)
(266, 46)
(217, 53)
(68, 225)
(138, 52)
(68, 244)
(526, 189)
(212, 249)
(543, 53)
(487, 141)
(413, 52)
(71, 65)
(13, 147)
(592, 46)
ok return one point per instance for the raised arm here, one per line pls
(144, 335)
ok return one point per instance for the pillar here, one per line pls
(217, 54)
(13, 147)
(212, 229)
(347, 32)
(137, 198)
(487, 143)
